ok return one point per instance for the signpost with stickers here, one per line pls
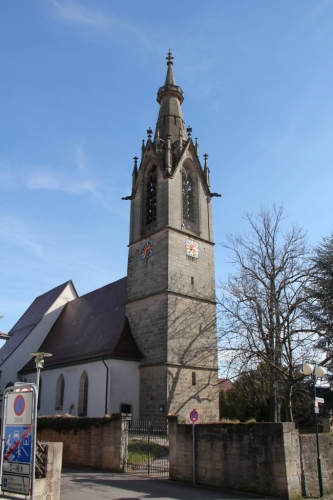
(194, 417)
(17, 466)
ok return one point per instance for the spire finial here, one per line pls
(135, 161)
(149, 133)
(189, 131)
(169, 57)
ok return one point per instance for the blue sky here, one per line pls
(78, 92)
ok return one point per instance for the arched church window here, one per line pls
(83, 395)
(151, 196)
(60, 392)
(188, 195)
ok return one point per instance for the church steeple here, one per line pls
(170, 117)
(170, 281)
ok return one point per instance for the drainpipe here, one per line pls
(107, 386)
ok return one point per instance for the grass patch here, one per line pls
(138, 450)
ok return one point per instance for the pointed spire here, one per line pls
(196, 145)
(206, 170)
(170, 79)
(170, 96)
(135, 171)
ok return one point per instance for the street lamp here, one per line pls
(39, 359)
(316, 372)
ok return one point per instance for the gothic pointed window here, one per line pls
(83, 395)
(60, 392)
(188, 194)
(151, 192)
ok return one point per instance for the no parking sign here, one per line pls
(19, 408)
(194, 416)
(19, 439)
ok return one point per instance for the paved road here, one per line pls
(80, 484)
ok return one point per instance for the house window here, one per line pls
(125, 408)
(60, 391)
(151, 194)
(194, 379)
(83, 395)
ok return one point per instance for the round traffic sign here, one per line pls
(194, 415)
(19, 405)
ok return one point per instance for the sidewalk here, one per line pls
(81, 484)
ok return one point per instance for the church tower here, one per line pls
(170, 282)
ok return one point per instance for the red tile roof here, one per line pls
(224, 384)
(91, 327)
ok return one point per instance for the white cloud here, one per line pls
(14, 230)
(76, 12)
(76, 181)
(318, 10)
(105, 23)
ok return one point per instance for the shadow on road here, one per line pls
(81, 484)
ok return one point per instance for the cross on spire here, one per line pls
(169, 57)
(149, 133)
(189, 131)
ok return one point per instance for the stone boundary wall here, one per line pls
(261, 458)
(266, 458)
(49, 487)
(97, 447)
(308, 448)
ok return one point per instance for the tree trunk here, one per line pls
(273, 400)
(287, 402)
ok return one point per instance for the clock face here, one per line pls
(192, 249)
(146, 249)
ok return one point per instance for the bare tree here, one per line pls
(261, 318)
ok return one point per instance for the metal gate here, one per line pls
(148, 448)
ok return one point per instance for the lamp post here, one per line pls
(39, 360)
(316, 372)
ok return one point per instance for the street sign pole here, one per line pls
(193, 450)
(194, 416)
(316, 411)
(18, 441)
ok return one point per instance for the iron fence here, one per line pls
(147, 448)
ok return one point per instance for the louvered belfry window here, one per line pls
(188, 201)
(151, 194)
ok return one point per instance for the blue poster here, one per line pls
(17, 446)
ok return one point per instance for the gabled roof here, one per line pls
(30, 319)
(91, 327)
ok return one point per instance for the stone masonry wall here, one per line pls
(48, 488)
(308, 447)
(261, 458)
(153, 392)
(184, 396)
(149, 320)
(170, 390)
(192, 338)
(98, 447)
